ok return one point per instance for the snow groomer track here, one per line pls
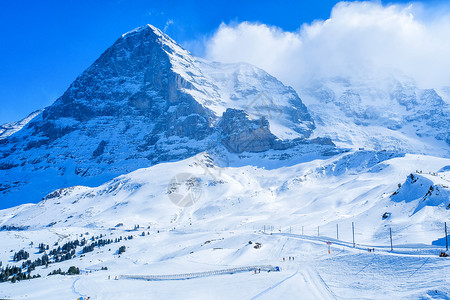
(267, 268)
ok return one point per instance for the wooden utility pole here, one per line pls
(446, 236)
(337, 231)
(390, 234)
(353, 232)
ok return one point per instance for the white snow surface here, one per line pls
(292, 210)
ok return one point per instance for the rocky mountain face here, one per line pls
(145, 101)
(381, 113)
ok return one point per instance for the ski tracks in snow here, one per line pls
(273, 286)
(419, 267)
(74, 290)
(306, 281)
(368, 264)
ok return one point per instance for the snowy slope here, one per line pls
(291, 210)
(315, 274)
(425, 190)
(321, 192)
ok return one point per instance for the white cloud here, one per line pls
(359, 39)
(168, 23)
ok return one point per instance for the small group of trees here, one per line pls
(42, 247)
(97, 243)
(14, 274)
(64, 257)
(44, 260)
(67, 251)
(22, 254)
(72, 271)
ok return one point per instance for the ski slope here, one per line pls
(345, 273)
(292, 210)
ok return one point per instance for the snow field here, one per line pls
(280, 208)
(314, 274)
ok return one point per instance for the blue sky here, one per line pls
(45, 45)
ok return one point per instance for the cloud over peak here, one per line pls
(359, 39)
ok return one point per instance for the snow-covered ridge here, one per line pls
(138, 29)
(388, 112)
(9, 129)
(425, 190)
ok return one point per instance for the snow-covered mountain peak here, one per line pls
(149, 33)
(143, 28)
(147, 100)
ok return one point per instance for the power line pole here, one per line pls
(390, 233)
(318, 232)
(337, 231)
(446, 236)
(264, 228)
(353, 231)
